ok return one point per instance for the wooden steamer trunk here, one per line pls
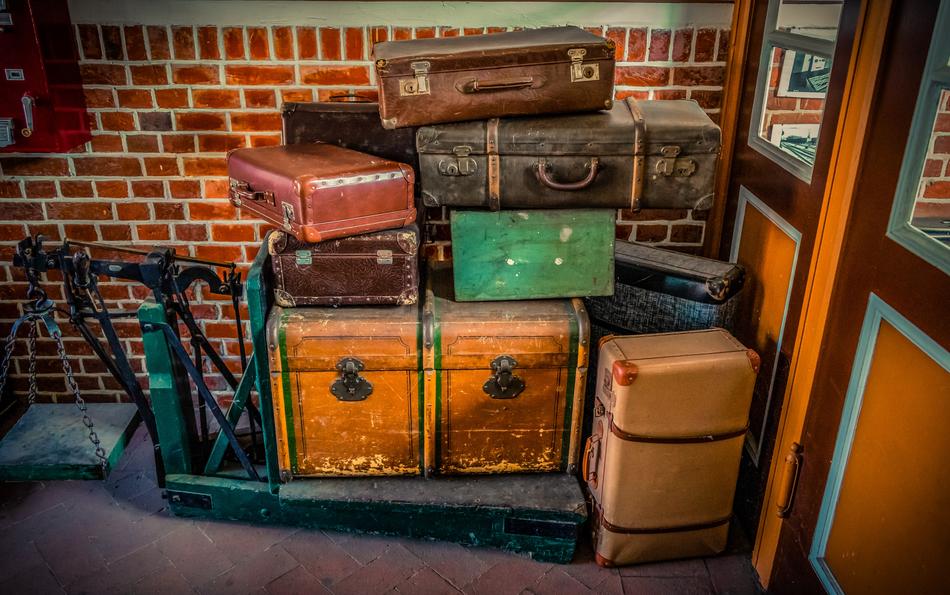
(661, 465)
(504, 383)
(451, 79)
(347, 390)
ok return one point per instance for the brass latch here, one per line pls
(289, 217)
(789, 480)
(350, 386)
(581, 72)
(503, 384)
(671, 165)
(462, 165)
(419, 84)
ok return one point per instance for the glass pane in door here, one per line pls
(812, 18)
(931, 213)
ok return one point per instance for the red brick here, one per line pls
(208, 210)
(705, 45)
(184, 42)
(39, 189)
(232, 232)
(107, 143)
(306, 44)
(234, 43)
(115, 233)
(169, 211)
(669, 94)
(424, 32)
(112, 42)
(117, 121)
(941, 145)
(473, 30)
(142, 143)
(13, 230)
(686, 234)
(495, 29)
(205, 166)
(171, 98)
(23, 211)
(781, 103)
(149, 74)
(216, 188)
(132, 211)
(305, 94)
(265, 140)
(617, 35)
(255, 121)
(257, 43)
(135, 48)
(134, 98)
(942, 123)
(623, 232)
(258, 75)
(158, 43)
(98, 97)
(722, 52)
(83, 233)
(34, 166)
(75, 188)
(651, 233)
(711, 76)
(184, 74)
(221, 98)
(813, 104)
(283, 43)
(200, 121)
(10, 189)
(161, 166)
(103, 74)
(624, 93)
(330, 48)
(89, 42)
(88, 210)
(148, 189)
(208, 43)
(932, 168)
(938, 189)
(354, 43)
(178, 143)
(643, 76)
(637, 45)
(449, 32)
(219, 253)
(380, 34)
(403, 33)
(219, 143)
(334, 75)
(659, 45)
(682, 45)
(191, 232)
(184, 189)
(796, 118)
(158, 232)
(260, 98)
(112, 189)
(107, 166)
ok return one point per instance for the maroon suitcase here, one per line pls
(374, 268)
(319, 191)
(476, 77)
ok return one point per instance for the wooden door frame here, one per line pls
(847, 150)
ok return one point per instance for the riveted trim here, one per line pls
(624, 372)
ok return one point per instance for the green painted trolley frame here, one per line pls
(540, 515)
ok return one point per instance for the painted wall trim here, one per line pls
(753, 444)
(877, 310)
(449, 13)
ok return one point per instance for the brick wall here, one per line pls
(787, 110)
(166, 103)
(933, 195)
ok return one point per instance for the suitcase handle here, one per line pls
(477, 86)
(541, 169)
(241, 191)
(585, 465)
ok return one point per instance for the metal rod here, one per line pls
(131, 250)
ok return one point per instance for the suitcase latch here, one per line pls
(289, 217)
(419, 84)
(670, 165)
(503, 384)
(461, 165)
(241, 191)
(350, 386)
(581, 72)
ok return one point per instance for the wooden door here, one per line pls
(871, 512)
(795, 74)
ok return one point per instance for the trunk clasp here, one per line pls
(419, 84)
(503, 384)
(350, 386)
(670, 164)
(581, 72)
(461, 165)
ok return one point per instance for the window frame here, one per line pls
(936, 79)
(771, 39)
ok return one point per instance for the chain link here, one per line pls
(7, 353)
(32, 348)
(80, 402)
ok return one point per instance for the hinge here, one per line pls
(790, 473)
(581, 72)
(419, 84)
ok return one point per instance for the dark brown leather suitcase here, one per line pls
(349, 124)
(640, 154)
(452, 79)
(320, 191)
(374, 268)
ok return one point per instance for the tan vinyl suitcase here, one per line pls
(662, 462)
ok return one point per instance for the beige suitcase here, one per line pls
(662, 461)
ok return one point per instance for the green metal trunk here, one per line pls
(532, 254)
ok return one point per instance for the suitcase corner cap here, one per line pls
(754, 359)
(624, 372)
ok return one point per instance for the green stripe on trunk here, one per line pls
(569, 393)
(288, 393)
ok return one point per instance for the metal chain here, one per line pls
(80, 402)
(32, 349)
(7, 353)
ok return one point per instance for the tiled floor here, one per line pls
(118, 537)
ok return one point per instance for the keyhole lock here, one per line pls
(503, 384)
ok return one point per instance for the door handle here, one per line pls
(789, 481)
(28, 103)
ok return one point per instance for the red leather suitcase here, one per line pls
(318, 191)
